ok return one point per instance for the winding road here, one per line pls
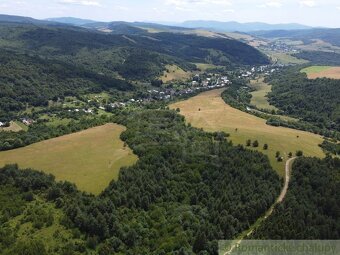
(288, 170)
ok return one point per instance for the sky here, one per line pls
(324, 13)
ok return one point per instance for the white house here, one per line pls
(2, 124)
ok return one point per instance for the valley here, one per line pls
(120, 137)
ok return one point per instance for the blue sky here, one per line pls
(310, 12)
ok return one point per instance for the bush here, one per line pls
(299, 153)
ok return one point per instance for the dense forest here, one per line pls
(112, 53)
(311, 209)
(32, 80)
(188, 190)
(320, 57)
(316, 101)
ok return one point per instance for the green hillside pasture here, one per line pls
(91, 159)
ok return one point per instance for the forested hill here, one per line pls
(122, 52)
(316, 101)
(35, 80)
(331, 36)
(188, 190)
(311, 209)
(40, 62)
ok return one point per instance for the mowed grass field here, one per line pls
(216, 115)
(90, 158)
(314, 72)
(259, 98)
(175, 73)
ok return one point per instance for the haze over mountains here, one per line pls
(232, 26)
(218, 26)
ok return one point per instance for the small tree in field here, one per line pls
(290, 154)
(255, 144)
(299, 153)
(265, 146)
(277, 154)
(248, 143)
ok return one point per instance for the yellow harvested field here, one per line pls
(216, 115)
(322, 72)
(175, 73)
(91, 159)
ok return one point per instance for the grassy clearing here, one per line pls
(285, 58)
(174, 72)
(15, 126)
(260, 99)
(90, 159)
(215, 115)
(204, 67)
(314, 72)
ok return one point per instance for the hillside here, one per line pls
(308, 36)
(44, 62)
(188, 190)
(315, 101)
(71, 21)
(313, 196)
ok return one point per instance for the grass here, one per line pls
(285, 58)
(15, 126)
(259, 97)
(54, 121)
(215, 115)
(314, 72)
(90, 159)
(175, 73)
(205, 67)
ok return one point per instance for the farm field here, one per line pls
(175, 73)
(90, 159)
(216, 115)
(259, 97)
(314, 72)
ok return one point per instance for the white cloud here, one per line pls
(308, 3)
(272, 4)
(198, 2)
(80, 2)
(338, 8)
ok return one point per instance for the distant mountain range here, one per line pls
(72, 21)
(233, 26)
(20, 19)
(217, 26)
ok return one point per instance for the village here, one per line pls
(167, 92)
